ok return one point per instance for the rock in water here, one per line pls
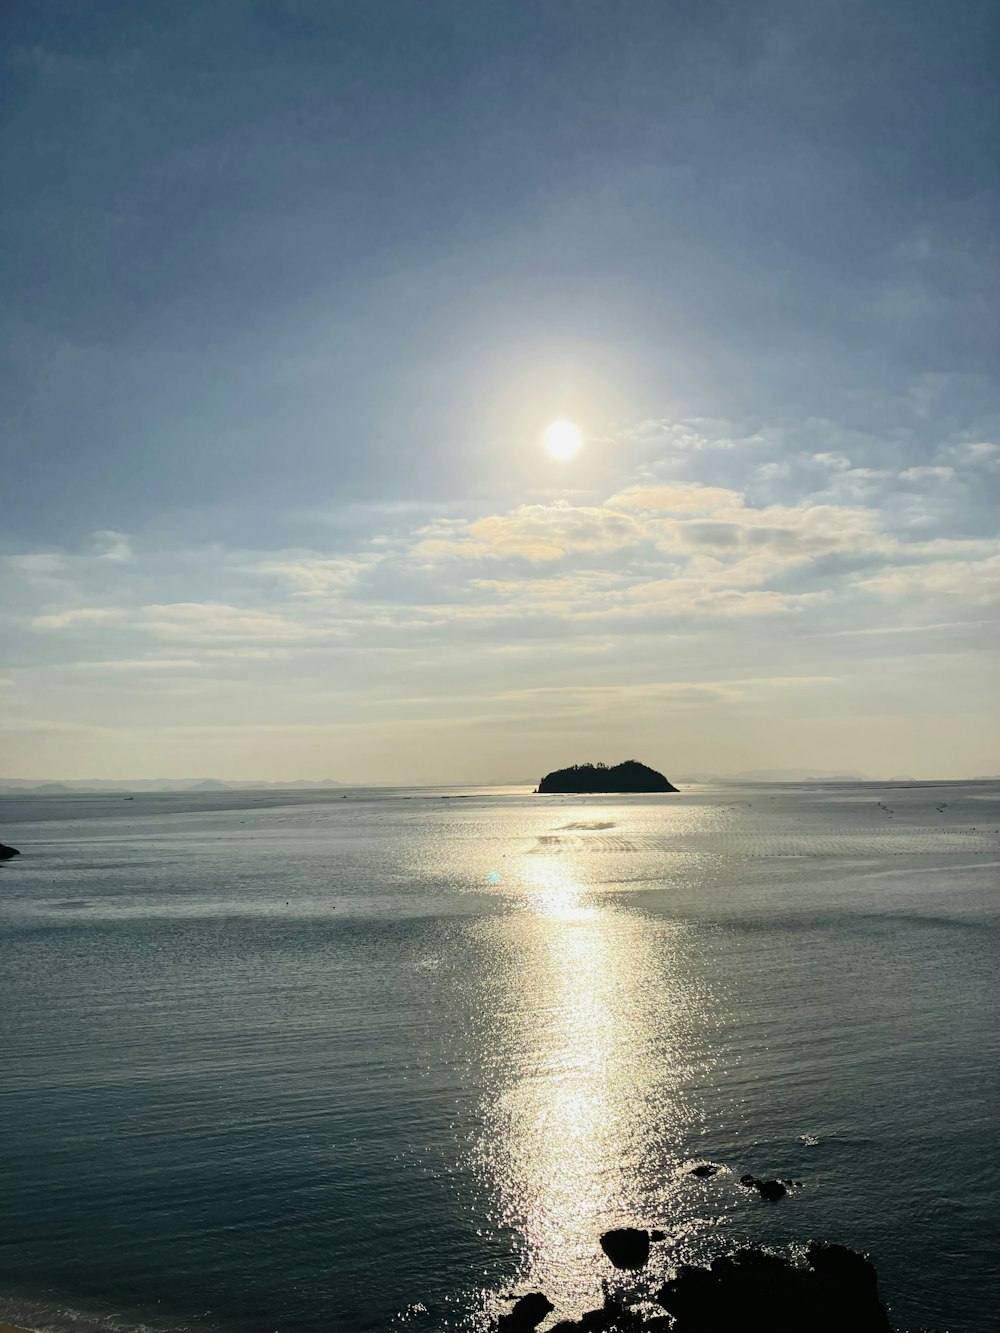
(850, 1278)
(527, 1314)
(752, 1291)
(626, 1247)
(7, 852)
(758, 1292)
(772, 1190)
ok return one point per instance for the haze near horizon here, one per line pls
(446, 393)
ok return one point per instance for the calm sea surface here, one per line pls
(299, 1062)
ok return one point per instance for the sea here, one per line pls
(379, 1060)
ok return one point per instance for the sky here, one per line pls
(292, 288)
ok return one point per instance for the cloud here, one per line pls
(318, 576)
(639, 697)
(694, 597)
(926, 473)
(751, 545)
(187, 621)
(975, 582)
(530, 532)
(112, 546)
(207, 621)
(509, 602)
(138, 664)
(684, 437)
(980, 452)
(690, 499)
(652, 553)
(38, 564)
(84, 615)
(639, 526)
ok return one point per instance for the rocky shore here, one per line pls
(834, 1290)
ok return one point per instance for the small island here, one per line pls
(629, 776)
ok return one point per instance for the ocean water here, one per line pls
(305, 1062)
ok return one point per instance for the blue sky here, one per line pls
(292, 290)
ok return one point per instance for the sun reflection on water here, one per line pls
(584, 1094)
(553, 891)
(563, 1113)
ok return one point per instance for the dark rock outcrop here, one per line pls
(626, 1247)
(755, 1291)
(835, 1291)
(772, 1190)
(704, 1169)
(7, 852)
(581, 778)
(527, 1314)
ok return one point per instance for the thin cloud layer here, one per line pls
(649, 602)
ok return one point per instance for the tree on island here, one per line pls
(629, 776)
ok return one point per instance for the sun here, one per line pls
(562, 439)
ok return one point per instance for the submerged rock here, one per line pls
(703, 1170)
(7, 852)
(626, 1247)
(527, 1314)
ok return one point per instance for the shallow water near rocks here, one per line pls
(293, 1062)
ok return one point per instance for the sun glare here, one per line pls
(562, 439)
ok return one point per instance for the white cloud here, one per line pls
(317, 576)
(689, 499)
(37, 564)
(975, 582)
(530, 532)
(138, 664)
(206, 621)
(982, 451)
(927, 473)
(770, 472)
(83, 615)
(188, 621)
(682, 437)
(696, 597)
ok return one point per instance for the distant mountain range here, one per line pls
(158, 784)
(56, 788)
(785, 775)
